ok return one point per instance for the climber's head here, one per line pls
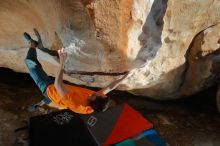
(98, 102)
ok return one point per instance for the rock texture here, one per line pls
(161, 42)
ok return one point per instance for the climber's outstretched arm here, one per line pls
(113, 85)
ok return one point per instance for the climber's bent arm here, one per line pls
(59, 78)
(59, 83)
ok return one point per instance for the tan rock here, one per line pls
(155, 39)
(201, 60)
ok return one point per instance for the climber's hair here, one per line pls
(100, 104)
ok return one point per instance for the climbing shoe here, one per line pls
(28, 37)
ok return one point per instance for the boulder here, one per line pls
(158, 41)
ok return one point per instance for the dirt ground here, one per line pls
(189, 122)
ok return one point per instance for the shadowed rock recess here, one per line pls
(156, 40)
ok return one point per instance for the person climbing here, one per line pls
(77, 99)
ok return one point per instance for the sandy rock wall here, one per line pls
(156, 40)
(166, 75)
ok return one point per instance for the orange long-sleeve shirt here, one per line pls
(76, 98)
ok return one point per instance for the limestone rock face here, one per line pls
(163, 43)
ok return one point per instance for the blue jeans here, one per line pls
(41, 79)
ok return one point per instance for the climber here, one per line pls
(77, 99)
